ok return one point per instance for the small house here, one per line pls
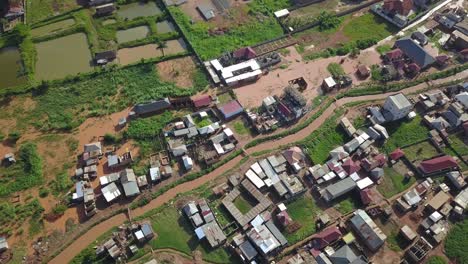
(363, 71)
(3, 244)
(367, 230)
(152, 107)
(110, 192)
(396, 107)
(201, 101)
(104, 57)
(438, 164)
(129, 182)
(105, 10)
(231, 109)
(207, 11)
(328, 84)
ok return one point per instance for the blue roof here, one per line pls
(415, 52)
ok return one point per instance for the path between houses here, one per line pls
(92, 234)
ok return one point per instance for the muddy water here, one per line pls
(135, 10)
(11, 68)
(131, 55)
(175, 46)
(52, 28)
(63, 56)
(132, 34)
(164, 27)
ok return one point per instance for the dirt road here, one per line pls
(82, 242)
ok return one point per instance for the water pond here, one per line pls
(63, 56)
(52, 28)
(132, 55)
(134, 10)
(132, 34)
(11, 68)
(164, 27)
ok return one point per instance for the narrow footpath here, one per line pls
(92, 234)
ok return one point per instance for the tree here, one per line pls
(162, 45)
(327, 21)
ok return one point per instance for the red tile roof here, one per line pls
(326, 237)
(201, 101)
(350, 166)
(380, 159)
(402, 7)
(394, 54)
(366, 196)
(230, 109)
(284, 110)
(438, 164)
(397, 154)
(413, 67)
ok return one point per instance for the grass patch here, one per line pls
(436, 260)
(367, 25)
(327, 137)
(405, 132)
(303, 210)
(244, 204)
(382, 49)
(41, 9)
(420, 151)
(335, 69)
(346, 206)
(202, 121)
(224, 98)
(458, 145)
(26, 173)
(395, 240)
(456, 243)
(254, 30)
(393, 183)
(240, 128)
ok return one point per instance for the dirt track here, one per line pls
(82, 242)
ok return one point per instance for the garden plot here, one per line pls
(420, 151)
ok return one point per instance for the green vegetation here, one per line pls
(457, 242)
(394, 241)
(327, 137)
(202, 121)
(335, 69)
(346, 206)
(303, 211)
(382, 49)
(40, 10)
(394, 183)
(12, 216)
(61, 184)
(244, 204)
(175, 232)
(240, 128)
(209, 46)
(362, 27)
(327, 21)
(458, 145)
(59, 209)
(436, 260)
(405, 132)
(420, 151)
(224, 98)
(24, 174)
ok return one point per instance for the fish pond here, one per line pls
(52, 28)
(134, 10)
(63, 56)
(132, 55)
(11, 68)
(132, 34)
(165, 27)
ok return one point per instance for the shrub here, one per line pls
(14, 136)
(59, 209)
(43, 192)
(327, 21)
(335, 70)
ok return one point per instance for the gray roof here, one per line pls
(206, 11)
(339, 188)
(400, 101)
(3, 243)
(344, 255)
(112, 160)
(248, 250)
(367, 230)
(154, 106)
(214, 234)
(190, 209)
(373, 133)
(127, 175)
(131, 188)
(275, 231)
(415, 52)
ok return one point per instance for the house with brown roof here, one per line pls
(326, 237)
(400, 7)
(201, 101)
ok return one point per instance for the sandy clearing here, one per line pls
(313, 72)
(179, 71)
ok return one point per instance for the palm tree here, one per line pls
(162, 45)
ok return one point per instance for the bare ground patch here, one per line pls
(179, 71)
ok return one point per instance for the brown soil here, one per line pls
(179, 71)
(312, 71)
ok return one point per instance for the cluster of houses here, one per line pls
(240, 67)
(125, 242)
(280, 111)
(12, 12)
(401, 12)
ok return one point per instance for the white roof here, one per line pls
(282, 207)
(218, 148)
(139, 234)
(228, 71)
(364, 183)
(268, 182)
(281, 13)
(382, 130)
(355, 176)
(256, 168)
(254, 179)
(216, 65)
(203, 114)
(243, 76)
(329, 176)
(110, 192)
(435, 216)
(228, 132)
(258, 220)
(188, 162)
(154, 173)
(330, 81)
(412, 115)
(199, 232)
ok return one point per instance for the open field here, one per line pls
(393, 183)
(38, 10)
(420, 151)
(303, 211)
(458, 144)
(455, 245)
(405, 132)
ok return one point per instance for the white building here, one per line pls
(396, 107)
